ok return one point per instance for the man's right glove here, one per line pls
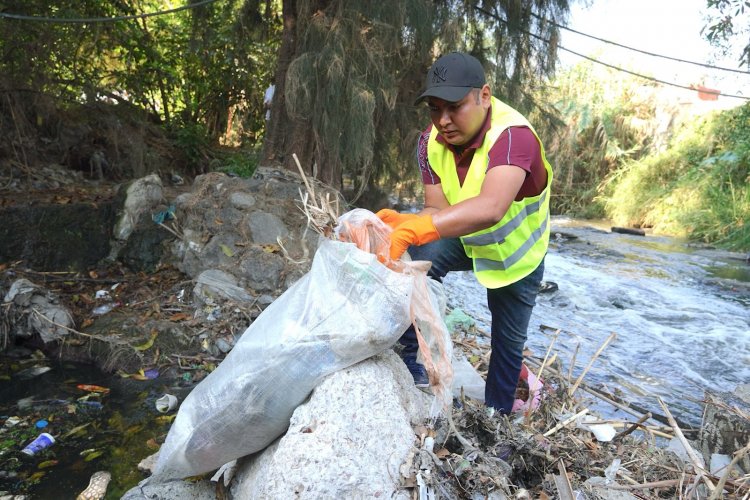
(393, 218)
(419, 230)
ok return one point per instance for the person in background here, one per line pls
(486, 208)
(268, 99)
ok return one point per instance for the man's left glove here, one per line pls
(393, 218)
(417, 231)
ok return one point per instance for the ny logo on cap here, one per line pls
(439, 74)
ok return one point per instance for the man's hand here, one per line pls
(419, 230)
(393, 218)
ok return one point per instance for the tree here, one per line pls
(348, 73)
(729, 19)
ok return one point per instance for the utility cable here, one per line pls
(545, 40)
(637, 50)
(71, 20)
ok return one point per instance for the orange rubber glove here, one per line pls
(417, 231)
(393, 218)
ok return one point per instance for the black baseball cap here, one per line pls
(452, 76)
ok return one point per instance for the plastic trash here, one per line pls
(103, 309)
(42, 441)
(535, 391)
(12, 421)
(610, 473)
(602, 432)
(458, 319)
(41, 424)
(93, 388)
(347, 308)
(166, 403)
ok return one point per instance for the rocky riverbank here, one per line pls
(189, 269)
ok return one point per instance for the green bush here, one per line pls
(697, 188)
(242, 164)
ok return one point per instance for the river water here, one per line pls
(681, 314)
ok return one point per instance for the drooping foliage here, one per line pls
(353, 69)
(189, 68)
(728, 21)
(346, 73)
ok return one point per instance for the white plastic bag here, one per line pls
(347, 308)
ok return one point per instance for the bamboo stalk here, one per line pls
(700, 471)
(591, 362)
(562, 482)
(723, 481)
(633, 427)
(566, 422)
(573, 363)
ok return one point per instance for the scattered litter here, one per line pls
(12, 421)
(42, 441)
(103, 309)
(93, 388)
(32, 372)
(603, 432)
(166, 403)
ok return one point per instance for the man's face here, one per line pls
(458, 122)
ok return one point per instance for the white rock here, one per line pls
(347, 441)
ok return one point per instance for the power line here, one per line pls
(663, 82)
(652, 78)
(70, 20)
(638, 50)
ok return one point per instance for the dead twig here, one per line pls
(562, 482)
(572, 390)
(633, 427)
(566, 422)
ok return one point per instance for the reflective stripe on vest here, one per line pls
(494, 265)
(513, 248)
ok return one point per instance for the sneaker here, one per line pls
(417, 371)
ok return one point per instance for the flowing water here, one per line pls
(681, 314)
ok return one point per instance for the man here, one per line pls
(486, 209)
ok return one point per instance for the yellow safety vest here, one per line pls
(513, 248)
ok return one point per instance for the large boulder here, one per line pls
(348, 441)
(351, 439)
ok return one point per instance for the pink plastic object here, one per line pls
(535, 391)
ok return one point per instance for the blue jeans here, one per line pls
(510, 307)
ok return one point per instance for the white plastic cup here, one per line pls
(42, 441)
(166, 403)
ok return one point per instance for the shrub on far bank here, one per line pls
(697, 188)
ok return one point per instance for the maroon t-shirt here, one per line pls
(515, 146)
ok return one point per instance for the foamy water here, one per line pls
(682, 327)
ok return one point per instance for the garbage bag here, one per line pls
(428, 301)
(347, 308)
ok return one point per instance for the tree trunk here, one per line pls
(284, 134)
